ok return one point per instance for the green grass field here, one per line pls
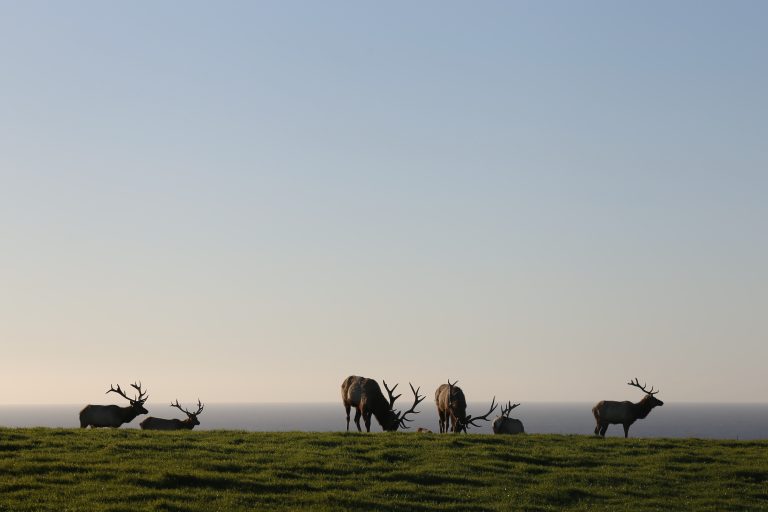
(129, 470)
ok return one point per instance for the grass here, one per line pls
(129, 470)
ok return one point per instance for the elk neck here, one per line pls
(644, 406)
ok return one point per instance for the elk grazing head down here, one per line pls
(366, 397)
(504, 424)
(112, 415)
(452, 406)
(153, 423)
(608, 412)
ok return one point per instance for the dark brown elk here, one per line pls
(112, 415)
(505, 425)
(608, 412)
(366, 397)
(452, 406)
(153, 423)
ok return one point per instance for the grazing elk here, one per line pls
(153, 423)
(451, 405)
(112, 415)
(625, 413)
(366, 397)
(505, 425)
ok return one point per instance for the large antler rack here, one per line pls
(636, 383)
(506, 410)
(416, 401)
(470, 420)
(136, 400)
(200, 407)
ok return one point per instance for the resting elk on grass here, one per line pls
(608, 412)
(505, 425)
(153, 423)
(112, 415)
(452, 406)
(366, 397)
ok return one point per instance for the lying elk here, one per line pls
(153, 423)
(112, 415)
(451, 405)
(366, 397)
(505, 425)
(625, 413)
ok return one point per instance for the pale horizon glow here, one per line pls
(248, 202)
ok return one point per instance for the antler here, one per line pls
(636, 383)
(199, 408)
(119, 392)
(390, 391)
(141, 399)
(416, 400)
(471, 420)
(506, 410)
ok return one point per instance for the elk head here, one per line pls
(137, 402)
(650, 397)
(191, 416)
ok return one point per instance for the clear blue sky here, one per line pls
(249, 201)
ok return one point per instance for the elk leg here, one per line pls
(347, 407)
(367, 420)
(440, 419)
(597, 429)
(357, 420)
(626, 431)
(603, 428)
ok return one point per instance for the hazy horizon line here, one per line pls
(686, 402)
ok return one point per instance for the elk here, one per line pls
(451, 405)
(608, 412)
(112, 415)
(505, 425)
(366, 397)
(153, 423)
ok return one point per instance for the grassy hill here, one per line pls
(129, 470)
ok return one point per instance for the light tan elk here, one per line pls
(112, 415)
(153, 423)
(366, 397)
(452, 406)
(505, 425)
(625, 413)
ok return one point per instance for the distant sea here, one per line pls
(710, 421)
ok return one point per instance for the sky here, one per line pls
(250, 201)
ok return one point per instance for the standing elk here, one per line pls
(153, 423)
(366, 397)
(451, 405)
(112, 415)
(608, 412)
(505, 425)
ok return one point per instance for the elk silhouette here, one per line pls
(366, 397)
(153, 423)
(608, 412)
(112, 415)
(452, 406)
(505, 425)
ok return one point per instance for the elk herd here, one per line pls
(365, 396)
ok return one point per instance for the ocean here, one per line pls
(708, 421)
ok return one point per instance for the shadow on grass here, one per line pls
(751, 476)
